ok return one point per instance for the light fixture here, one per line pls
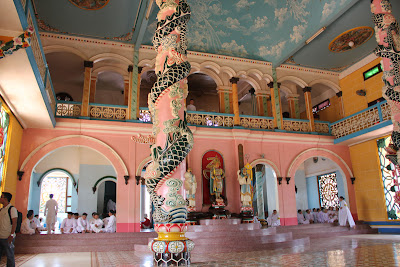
(361, 92)
(315, 35)
(351, 44)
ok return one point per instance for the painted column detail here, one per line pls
(276, 105)
(388, 38)
(310, 115)
(92, 95)
(126, 92)
(268, 105)
(224, 105)
(133, 101)
(235, 101)
(86, 88)
(262, 107)
(138, 92)
(293, 101)
(164, 176)
(130, 79)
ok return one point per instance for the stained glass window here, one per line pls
(328, 190)
(56, 186)
(4, 123)
(390, 177)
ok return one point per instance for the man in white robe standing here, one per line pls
(345, 214)
(50, 211)
(300, 218)
(111, 224)
(96, 224)
(83, 224)
(274, 219)
(68, 225)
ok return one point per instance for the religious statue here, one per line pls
(216, 177)
(190, 188)
(245, 178)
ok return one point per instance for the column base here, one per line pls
(172, 259)
(171, 253)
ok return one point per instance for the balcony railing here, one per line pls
(362, 120)
(108, 112)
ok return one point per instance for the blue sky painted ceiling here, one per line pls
(268, 30)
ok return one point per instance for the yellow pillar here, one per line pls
(293, 105)
(130, 70)
(126, 92)
(235, 101)
(341, 105)
(86, 88)
(262, 103)
(269, 106)
(138, 92)
(310, 115)
(224, 94)
(93, 82)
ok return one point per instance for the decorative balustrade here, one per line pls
(68, 109)
(253, 122)
(296, 125)
(108, 112)
(362, 120)
(210, 119)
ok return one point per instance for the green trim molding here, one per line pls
(94, 188)
(60, 170)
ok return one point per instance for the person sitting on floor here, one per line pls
(300, 218)
(96, 224)
(145, 224)
(320, 215)
(83, 224)
(68, 225)
(309, 216)
(26, 227)
(274, 219)
(324, 217)
(36, 221)
(111, 223)
(315, 215)
(106, 217)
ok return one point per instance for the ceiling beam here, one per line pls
(145, 9)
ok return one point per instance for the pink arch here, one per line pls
(32, 159)
(343, 165)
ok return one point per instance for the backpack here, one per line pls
(19, 219)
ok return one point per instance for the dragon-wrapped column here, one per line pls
(388, 38)
(173, 139)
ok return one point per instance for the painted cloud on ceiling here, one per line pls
(268, 30)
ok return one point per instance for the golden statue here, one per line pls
(216, 177)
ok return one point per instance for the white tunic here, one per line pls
(68, 226)
(301, 220)
(93, 227)
(274, 220)
(345, 215)
(111, 225)
(324, 217)
(51, 211)
(26, 228)
(82, 225)
(309, 217)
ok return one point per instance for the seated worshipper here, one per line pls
(105, 219)
(76, 217)
(324, 217)
(96, 224)
(300, 218)
(315, 215)
(309, 216)
(274, 219)
(38, 223)
(68, 225)
(26, 228)
(146, 223)
(319, 216)
(111, 223)
(83, 224)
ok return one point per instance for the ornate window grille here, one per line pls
(328, 190)
(390, 177)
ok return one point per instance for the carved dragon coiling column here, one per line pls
(173, 139)
(388, 38)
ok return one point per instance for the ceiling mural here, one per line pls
(268, 30)
(90, 4)
(351, 39)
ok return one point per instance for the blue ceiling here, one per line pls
(269, 30)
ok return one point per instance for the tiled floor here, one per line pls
(363, 250)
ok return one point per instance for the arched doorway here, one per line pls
(265, 188)
(106, 197)
(319, 182)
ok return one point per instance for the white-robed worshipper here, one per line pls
(315, 215)
(300, 218)
(274, 219)
(50, 211)
(111, 224)
(68, 225)
(96, 224)
(83, 224)
(332, 215)
(309, 216)
(320, 215)
(39, 225)
(111, 205)
(26, 227)
(324, 217)
(345, 214)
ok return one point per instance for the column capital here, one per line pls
(292, 97)
(224, 89)
(339, 94)
(88, 64)
(306, 89)
(270, 85)
(130, 68)
(140, 69)
(234, 80)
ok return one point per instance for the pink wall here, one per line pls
(113, 140)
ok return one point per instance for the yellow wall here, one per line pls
(333, 112)
(371, 205)
(355, 81)
(11, 160)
